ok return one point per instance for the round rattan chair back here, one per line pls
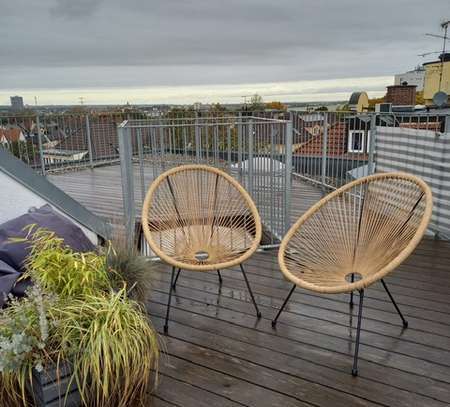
(366, 228)
(197, 217)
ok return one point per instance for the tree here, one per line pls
(256, 103)
(321, 109)
(275, 106)
(375, 101)
(419, 98)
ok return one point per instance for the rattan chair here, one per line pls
(199, 218)
(355, 236)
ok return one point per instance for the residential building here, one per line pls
(437, 77)
(415, 77)
(16, 103)
(9, 135)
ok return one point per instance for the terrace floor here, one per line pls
(219, 354)
(100, 190)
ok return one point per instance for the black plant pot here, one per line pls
(51, 389)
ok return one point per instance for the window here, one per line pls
(356, 141)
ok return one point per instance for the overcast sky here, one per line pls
(181, 51)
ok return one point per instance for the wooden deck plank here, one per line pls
(285, 359)
(220, 355)
(397, 367)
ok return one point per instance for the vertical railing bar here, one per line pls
(250, 183)
(197, 139)
(288, 176)
(41, 152)
(126, 169)
(141, 161)
(89, 142)
(373, 134)
(324, 150)
(240, 124)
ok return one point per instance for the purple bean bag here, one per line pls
(13, 255)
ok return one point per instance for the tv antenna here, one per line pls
(444, 26)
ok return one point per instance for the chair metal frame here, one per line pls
(361, 284)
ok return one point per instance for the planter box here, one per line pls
(49, 390)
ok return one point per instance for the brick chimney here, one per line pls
(401, 95)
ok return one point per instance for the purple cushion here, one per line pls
(15, 254)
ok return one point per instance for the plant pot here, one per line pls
(51, 389)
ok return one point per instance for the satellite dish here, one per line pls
(440, 99)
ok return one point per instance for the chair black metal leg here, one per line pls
(258, 314)
(405, 322)
(220, 277)
(351, 294)
(358, 333)
(172, 284)
(274, 322)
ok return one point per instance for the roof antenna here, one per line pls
(444, 26)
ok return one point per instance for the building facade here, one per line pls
(16, 103)
(415, 77)
(434, 82)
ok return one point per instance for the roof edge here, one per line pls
(42, 187)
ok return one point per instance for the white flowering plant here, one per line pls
(24, 331)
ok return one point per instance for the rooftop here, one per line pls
(218, 353)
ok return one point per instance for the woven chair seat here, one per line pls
(198, 248)
(366, 228)
(199, 218)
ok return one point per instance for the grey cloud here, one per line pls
(79, 43)
(73, 9)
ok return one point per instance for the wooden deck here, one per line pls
(219, 354)
(100, 190)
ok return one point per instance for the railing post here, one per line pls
(197, 139)
(324, 150)
(89, 141)
(447, 124)
(373, 134)
(288, 175)
(239, 146)
(41, 148)
(140, 146)
(250, 159)
(126, 170)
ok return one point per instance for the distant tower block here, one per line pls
(359, 102)
(16, 103)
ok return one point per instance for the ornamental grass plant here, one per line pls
(78, 310)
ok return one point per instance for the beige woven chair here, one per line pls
(355, 236)
(199, 218)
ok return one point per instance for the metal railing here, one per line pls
(327, 149)
(255, 150)
(331, 149)
(62, 142)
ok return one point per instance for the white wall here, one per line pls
(16, 199)
(413, 78)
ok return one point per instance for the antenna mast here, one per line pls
(444, 26)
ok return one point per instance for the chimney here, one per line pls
(401, 95)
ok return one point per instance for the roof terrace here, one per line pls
(218, 353)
